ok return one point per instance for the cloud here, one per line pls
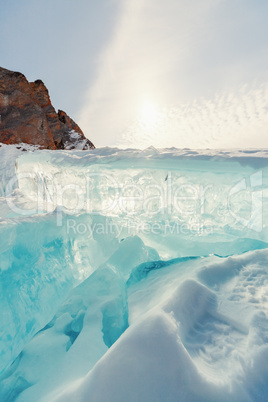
(171, 54)
(229, 120)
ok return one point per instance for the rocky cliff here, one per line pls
(27, 115)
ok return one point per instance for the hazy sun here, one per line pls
(148, 113)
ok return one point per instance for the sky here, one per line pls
(140, 73)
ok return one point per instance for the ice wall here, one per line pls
(206, 203)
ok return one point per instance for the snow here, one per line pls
(9, 154)
(75, 141)
(115, 288)
(190, 335)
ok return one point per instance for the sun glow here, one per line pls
(148, 113)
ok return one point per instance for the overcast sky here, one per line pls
(135, 73)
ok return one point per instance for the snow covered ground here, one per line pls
(133, 275)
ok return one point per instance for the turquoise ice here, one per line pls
(145, 271)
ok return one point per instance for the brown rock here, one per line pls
(27, 115)
(22, 119)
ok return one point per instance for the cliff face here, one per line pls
(27, 115)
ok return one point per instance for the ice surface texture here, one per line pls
(161, 296)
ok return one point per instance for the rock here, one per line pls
(27, 116)
(22, 118)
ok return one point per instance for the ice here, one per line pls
(177, 331)
(91, 319)
(40, 263)
(191, 343)
(159, 195)
(115, 285)
(8, 156)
